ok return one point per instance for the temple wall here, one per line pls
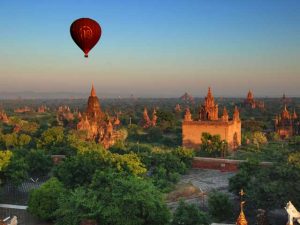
(225, 165)
(192, 131)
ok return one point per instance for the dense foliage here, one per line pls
(269, 187)
(189, 214)
(114, 198)
(43, 202)
(219, 206)
(213, 146)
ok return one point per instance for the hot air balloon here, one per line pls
(85, 33)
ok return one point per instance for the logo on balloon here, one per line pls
(85, 32)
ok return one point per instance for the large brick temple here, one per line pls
(209, 121)
(99, 126)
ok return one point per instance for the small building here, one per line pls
(209, 122)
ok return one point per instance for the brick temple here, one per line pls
(209, 121)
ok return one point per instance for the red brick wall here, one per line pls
(225, 165)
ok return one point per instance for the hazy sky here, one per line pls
(153, 47)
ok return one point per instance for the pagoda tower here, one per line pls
(209, 111)
(93, 109)
(154, 118)
(146, 120)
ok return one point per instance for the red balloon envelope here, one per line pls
(85, 33)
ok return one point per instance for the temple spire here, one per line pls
(93, 92)
(236, 114)
(225, 116)
(209, 94)
(295, 116)
(242, 218)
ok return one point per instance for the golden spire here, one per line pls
(93, 92)
(241, 220)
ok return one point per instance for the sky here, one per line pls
(157, 48)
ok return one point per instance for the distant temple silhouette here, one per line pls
(209, 121)
(250, 102)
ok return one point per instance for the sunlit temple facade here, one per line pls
(208, 121)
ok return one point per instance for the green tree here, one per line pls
(259, 138)
(4, 159)
(154, 134)
(43, 202)
(115, 198)
(219, 206)
(39, 163)
(10, 140)
(294, 159)
(213, 145)
(165, 119)
(17, 170)
(30, 127)
(187, 214)
(23, 140)
(78, 170)
(274, 186)
(247, 171)
(53, 136)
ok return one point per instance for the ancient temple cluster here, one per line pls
(99, 126)
(147, 122)
(208, 121)
(287, 124)
(250, 102)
